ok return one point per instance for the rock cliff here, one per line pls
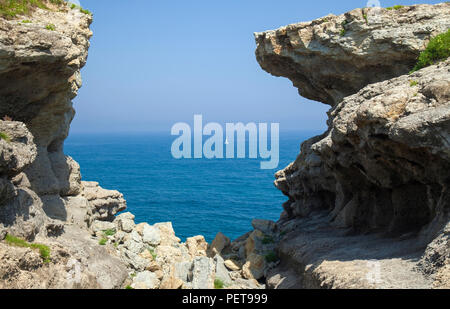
(57, 231)
(368, 200)
(42, 197)
(369, 197)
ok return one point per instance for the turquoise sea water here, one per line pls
(200, 197)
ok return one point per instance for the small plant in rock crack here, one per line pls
(103, 241)
(110, 232)
(152, 252)
(50, 27)
(219, 284)
(5, 137)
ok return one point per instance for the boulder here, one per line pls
(219, 243)
(145, 280)
(197, 246)
(203, 273)
(151, 235)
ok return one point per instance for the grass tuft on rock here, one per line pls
(5, 137)
(219, 284)
(10, 9)
(50, 27)
(44, 250)
(395, 7)
(110, 232)
(438, 49)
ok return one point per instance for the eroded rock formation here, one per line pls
(44, 201)
(42, 197)
(383, 166)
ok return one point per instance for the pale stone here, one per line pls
(197, 246)
(151, 235)
(232, 265)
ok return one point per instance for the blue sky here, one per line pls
(155, 63)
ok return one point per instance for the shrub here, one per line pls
(44, 250)
(128, 287)
(218, 284)
(438, 49)
(103, 241)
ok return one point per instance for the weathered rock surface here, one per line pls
(335, 56)
(383, 165)
(42, 198)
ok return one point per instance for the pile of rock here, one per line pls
(157, 259)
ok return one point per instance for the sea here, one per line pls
(199, 196)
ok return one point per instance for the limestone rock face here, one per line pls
(42, 198)
(335, 56)
(384, 162)
(383, 165)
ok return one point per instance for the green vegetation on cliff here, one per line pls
(18, 242)
(438, 49)
(12, 8)
(5, 137)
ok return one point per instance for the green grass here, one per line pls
(50, 27)
(437, 50)
(84, 11)
(102, 242)
(343, 32)
(219, 284)
(271, 257)
(12, 8)
(5, 137)
(395, 7)
(26, 21)
(110, 232)
(413, 83)
(128, 287)
(44, 250)
(152, 252)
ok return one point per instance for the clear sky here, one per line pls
(155, 63)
